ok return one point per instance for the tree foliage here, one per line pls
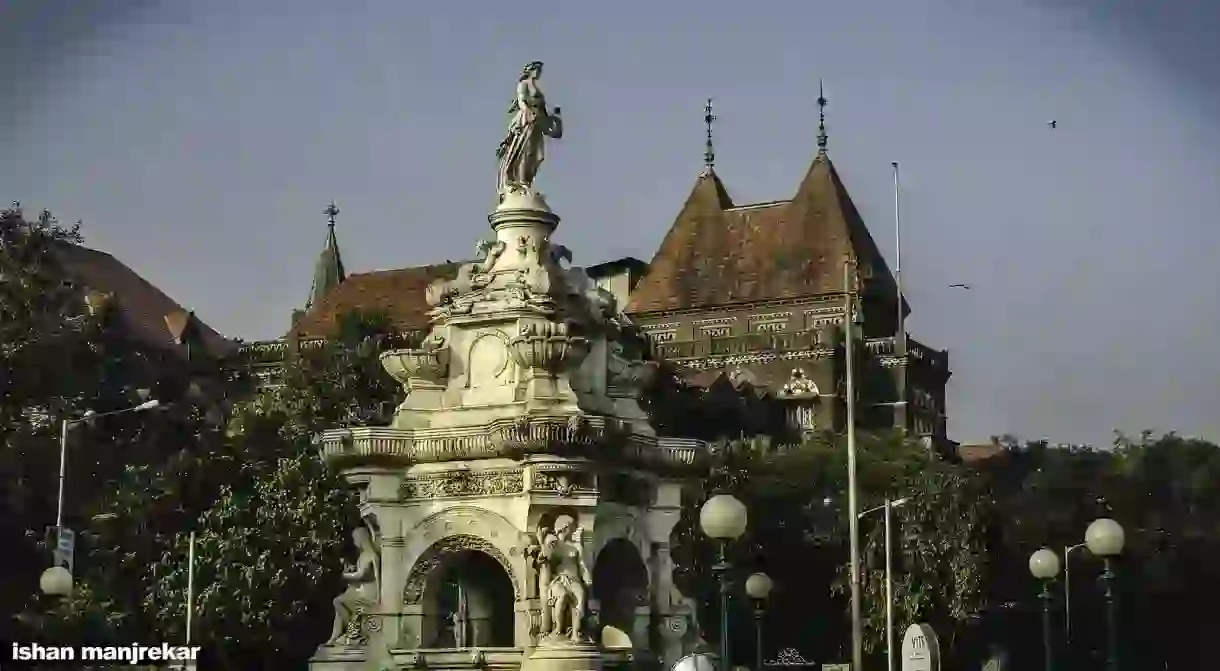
(269, 548)
(60, 356)
(798, 533)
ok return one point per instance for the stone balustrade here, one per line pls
(508, 438)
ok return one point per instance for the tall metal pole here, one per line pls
(898, 277)
(190, 586)
(1067, 592)
(63, 474)
(1048, 643)
(1107, 579)
(759, 611)
(889, 590)
(721, 569)
(853, 520)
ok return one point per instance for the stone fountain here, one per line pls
(518, 508)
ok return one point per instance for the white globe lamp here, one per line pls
(56, 581)
(1044, 564)
(1105, 538)
(723, 518)
(758, 586)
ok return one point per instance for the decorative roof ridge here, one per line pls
(758, 206)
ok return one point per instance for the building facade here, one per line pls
(737, 294)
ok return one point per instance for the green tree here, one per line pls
(269, 548)
(59, 356)
(797, 534)
(940, 543)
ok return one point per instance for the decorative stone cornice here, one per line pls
(756, 305)
(758, 357)
(592, 436)
(463, 482)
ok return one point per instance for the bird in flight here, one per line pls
(960, 286)
(1052, 123)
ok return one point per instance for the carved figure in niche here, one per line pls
(490, 251)
(363, 592)
(523, 149)
(563, 579)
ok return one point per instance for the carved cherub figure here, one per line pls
(564, 580)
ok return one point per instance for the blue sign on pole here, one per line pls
(65, 548)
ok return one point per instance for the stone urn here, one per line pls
(424, 368)
(547, 348)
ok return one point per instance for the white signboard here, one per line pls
(920, 649)
(65, 548)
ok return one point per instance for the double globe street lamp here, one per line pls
(1105, 539)
(723, 519)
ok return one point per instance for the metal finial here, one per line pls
(331, 212)
(709, 152)
(821, 117)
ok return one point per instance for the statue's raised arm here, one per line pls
(523, 148)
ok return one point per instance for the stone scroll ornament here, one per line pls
(523, 149)
(564, 580)
(363, 591)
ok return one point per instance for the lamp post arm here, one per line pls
(66, 426)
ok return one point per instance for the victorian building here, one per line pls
(741, 297)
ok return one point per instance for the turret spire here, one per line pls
(821, 118)
(709, 151)
(328, 273)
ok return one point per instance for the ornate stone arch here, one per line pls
(623, 525)
(436, 554)
(457, 529)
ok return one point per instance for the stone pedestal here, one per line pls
(560, 657)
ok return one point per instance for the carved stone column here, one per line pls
(671, 623)
(392, 569)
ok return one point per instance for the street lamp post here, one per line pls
(723, 519)
(1105, 539)
(889, 577)
(1067, 591)
(853, 520)
(758, 588)
(1044, 565)
(57, 580)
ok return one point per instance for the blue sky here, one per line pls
(200, 142)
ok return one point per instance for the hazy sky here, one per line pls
(200, 142)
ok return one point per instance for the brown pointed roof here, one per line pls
(717, 253)
(398, 294)
(150, 315)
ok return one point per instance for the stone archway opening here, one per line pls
(620, 585)
(471, 602)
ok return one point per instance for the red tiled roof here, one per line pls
(978, 452)
(399, 294)
(148, 313)
(717, 253)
